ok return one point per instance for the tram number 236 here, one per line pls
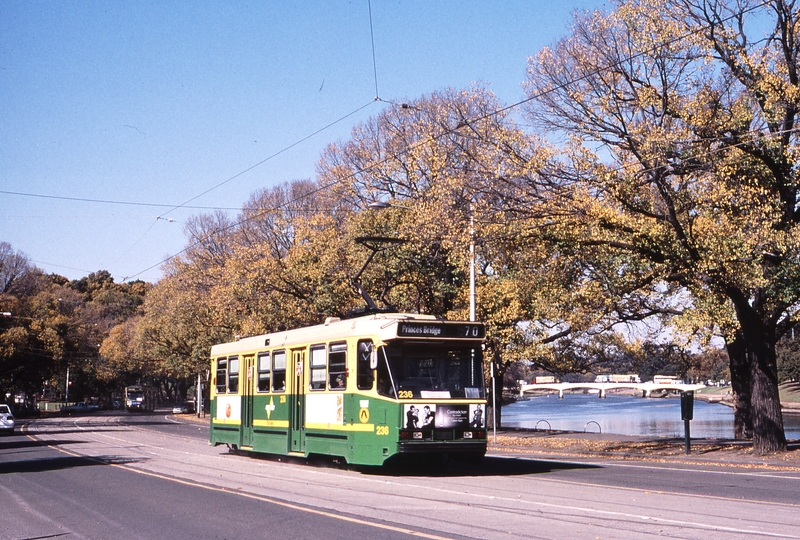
(381, 430)
(405, 394)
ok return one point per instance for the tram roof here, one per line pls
(384, 325)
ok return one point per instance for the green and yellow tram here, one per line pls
(365, 389)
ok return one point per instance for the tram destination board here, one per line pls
(441, 330)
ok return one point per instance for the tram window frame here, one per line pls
(222, 375)
(318, 367)
(264, 372)
(365, 375)
(278, 372)
(233, 375)
(337, 365)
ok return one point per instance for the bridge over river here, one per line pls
(646, 388)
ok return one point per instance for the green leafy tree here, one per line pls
(789, 359)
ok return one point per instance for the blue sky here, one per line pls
(155, 103)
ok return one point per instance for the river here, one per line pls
(627, 415)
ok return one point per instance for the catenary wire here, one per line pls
(443, 133)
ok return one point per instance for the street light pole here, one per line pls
(472, 306)
(472, 300)
(380, 205)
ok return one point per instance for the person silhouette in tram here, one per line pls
(428, 417)
(412, 416)
(477, 418)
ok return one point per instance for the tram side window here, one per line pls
(365, 375)
(279, 371)
(233, 374)
(263, 372)
(337, 366)
(318, 367)
(222, 375)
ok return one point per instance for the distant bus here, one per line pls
(618, 378)
(626, 378)
(140, 398)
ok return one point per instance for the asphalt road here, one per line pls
(154, 476)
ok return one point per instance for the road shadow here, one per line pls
(61, 431)
(489, 466)
(426, 466)
(22, 443)
(60, 463)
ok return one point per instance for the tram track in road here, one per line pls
(464, 501)
(289, 482)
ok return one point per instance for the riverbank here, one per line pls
(789, 393)
(570, 445)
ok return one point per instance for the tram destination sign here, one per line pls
(441, 330)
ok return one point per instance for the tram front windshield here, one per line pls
(430, 371)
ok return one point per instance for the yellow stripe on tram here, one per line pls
(361, 428)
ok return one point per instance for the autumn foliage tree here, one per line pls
(51, 323)
(682, 157)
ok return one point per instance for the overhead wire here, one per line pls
(374, 61)
(285, 149)
(271, 156)
(302, 140)
(107, 201)
(443, 132)
(237, 175)
(185, 204)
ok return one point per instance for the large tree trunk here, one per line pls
(758, 334)
(740, 384)
(768, 434)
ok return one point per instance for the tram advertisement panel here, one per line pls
(229, 407)
(429, 416)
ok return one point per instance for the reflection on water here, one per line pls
(626, 415)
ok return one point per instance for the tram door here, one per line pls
(247, 402)
(297, 440)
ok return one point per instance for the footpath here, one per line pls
(583, 446)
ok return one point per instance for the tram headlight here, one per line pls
(467, 434)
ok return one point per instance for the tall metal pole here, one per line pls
(199, 405)
(66, 390)
(472, 306)
(471, 263)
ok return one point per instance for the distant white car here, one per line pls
(6, 419)
(183, 408)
